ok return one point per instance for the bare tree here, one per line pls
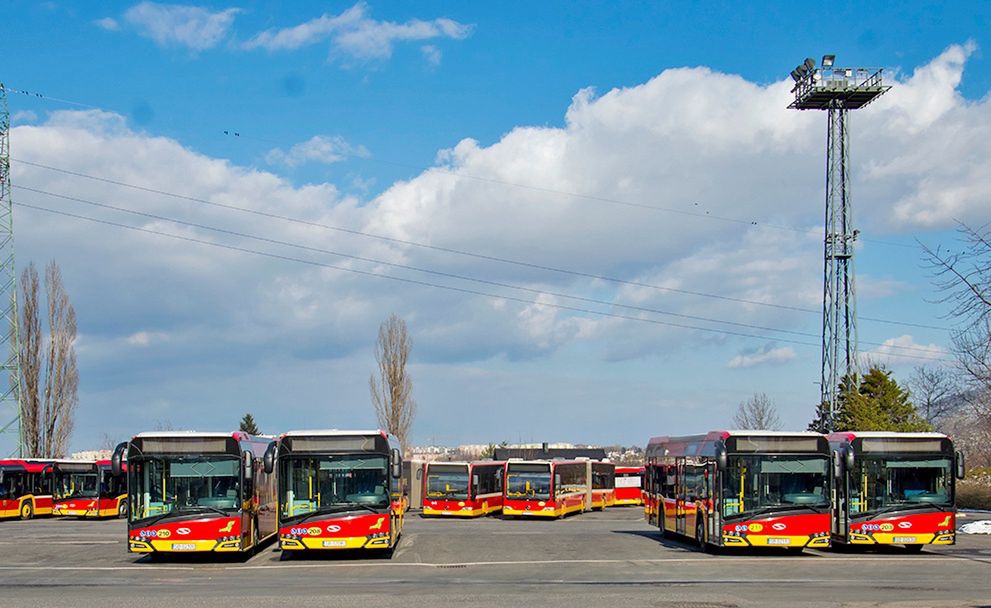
(935, 392)
(50, 380)
(757, 413)
(392, 390)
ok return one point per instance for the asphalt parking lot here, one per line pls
(602, 559)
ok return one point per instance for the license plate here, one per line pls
(779, 541)
(335, 543)
(903, 539)
(183, 547)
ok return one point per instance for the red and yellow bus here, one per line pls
(741, 488)
(463, 489)
(603, 476)
(196, 492)
(895, 489)
(25, 488)
(338, 490)
(551, 488)
(629, 485)
(88, 488)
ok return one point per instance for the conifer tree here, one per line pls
(874, 402)
(248, 425)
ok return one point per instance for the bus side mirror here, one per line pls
(721, 463)
(849, 459)
(116, 461)
(961, 466)
(837, 465)
(397, 464)
(249, 465)
(268, 460)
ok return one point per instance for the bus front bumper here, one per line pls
(380, 540)
(222, 545)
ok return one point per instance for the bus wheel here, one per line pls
(122, 509)
(27, 510)
(700, 535)
(254, 535)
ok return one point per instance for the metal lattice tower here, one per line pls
(837, 91)
(11, 441)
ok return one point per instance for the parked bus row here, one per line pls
(798, 490)
(68, 488)
(517, 488)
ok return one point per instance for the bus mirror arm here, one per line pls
(116, 461)
(268, 461)
(961, 466)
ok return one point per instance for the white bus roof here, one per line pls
(334, 433)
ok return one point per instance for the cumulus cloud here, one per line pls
(661, 185)
(107, 23)
(193, 27)
(353, 34)
(768, 355)
(319, 149)
(23, 116)
(902, 350)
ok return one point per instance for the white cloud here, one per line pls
(187, 26)
(107, 23)
(768, 355)
(432, 54)
(355, 35)
(23, 116)
(319, 148)
(902, 350)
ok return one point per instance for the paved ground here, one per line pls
(600, 559)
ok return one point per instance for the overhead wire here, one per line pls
(451, 275)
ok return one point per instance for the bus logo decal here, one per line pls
(377, 525)
(755, 527)
(164, 533)
(945, 522)
(887, 527)
(779, 526)
(314, 531)
(904, 525)
(228, 527)
(182, 531)
(333, 528)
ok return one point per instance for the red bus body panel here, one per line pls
(629, 494)
(799, 530)
(201, 534)
(367, 531)
(938, 528)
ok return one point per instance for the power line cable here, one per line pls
(447, 274)
(457, 251)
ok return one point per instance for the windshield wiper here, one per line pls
(198, 508)
(335, 508)
(904, 506)
(778, 509)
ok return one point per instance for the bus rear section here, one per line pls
(338, 490)
(197, 492)
(88, 488)
(629, 485)
(462, 489)
(895, 489)
(25, 488)
(550, 489)
(603, 475)
(741, 488)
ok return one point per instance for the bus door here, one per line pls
(680, 494)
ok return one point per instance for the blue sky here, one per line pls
(536, 132)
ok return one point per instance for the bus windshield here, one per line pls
(77, 485)
(327, 482)
(761, 482)
(882, 483)
(447, 482)
(528, 482)
(174, 484)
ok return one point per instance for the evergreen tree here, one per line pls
(874, 402)
(248, 425)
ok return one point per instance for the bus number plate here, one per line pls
(779, 541)
(183, 546)
(903, 539)
(335, 543)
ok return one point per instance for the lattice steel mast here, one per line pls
(11, 440)
(837, 91)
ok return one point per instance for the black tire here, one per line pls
(254, 536)
(914, 548)
(700, 534)
(27, 510)
(660, 526)
(122, 510)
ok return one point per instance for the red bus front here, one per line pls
(629, 484)
(25, 488)
(530, 491)
(781, 530)
(339, 490)
(462, 489)
(89, 489)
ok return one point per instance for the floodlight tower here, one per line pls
(11, 441)
(837, 90)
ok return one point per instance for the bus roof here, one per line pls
(334, 433)
(183, 434)
(883, 435)
(29, 465)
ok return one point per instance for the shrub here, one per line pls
(974, 493)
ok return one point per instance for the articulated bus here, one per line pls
(338, 490)
(603, 476)
(463, 489)
(196, 492)
(741, 488)
(25, 488)
(629, 485)
(894, 488)
(88, 488)
(552, 488)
